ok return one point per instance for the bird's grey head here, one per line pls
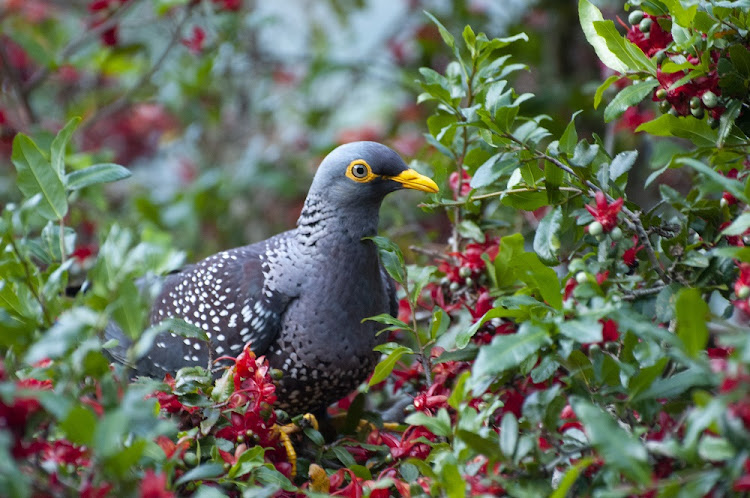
(362, 173)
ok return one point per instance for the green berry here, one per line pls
(190, 458)
(576, 265)
(661, 56)
(464, 272)
(710, 99)
(695, 102)
(661, 94)
(595, 228)
(616, 234)
(582, 277)
(469, 282)
(454, 286)
(713, 123)
(594, 349)
(673, 112)
(665, 106)
(743, 292)
(645, 25)
(723, 202)
(635, 17)
(698, 112)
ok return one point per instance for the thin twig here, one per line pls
(631, 295)
(29, 280)
(439, 255)
(120, 102)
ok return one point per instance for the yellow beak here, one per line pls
(411, 179)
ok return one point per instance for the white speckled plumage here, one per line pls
(298, 297)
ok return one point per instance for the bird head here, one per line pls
(360, 173)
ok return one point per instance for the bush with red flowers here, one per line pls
(569, 332)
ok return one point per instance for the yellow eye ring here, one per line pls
(359, 171)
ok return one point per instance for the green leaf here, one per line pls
(584, 154)
(569, 138)
(632, 56)
(570, 477)
(98, 173)
(59, 144)
(731, 185)
(683, 15)
(692, 313)
(645, 377)
(444, 33)
(603, 88)
(622, 163)
(37, 176)
(205, 471)
(79, 425)
(508, 434)
(391, 257)
(67, 331)
(547, 237)
(715, 449)
(508, 351)
(738, 226)
(740, 57)
(584, 330)
(628, 97)
(247, 462)
(619, 448)
(695, 130)
(440, 424)
(589, 15)
(385, 367)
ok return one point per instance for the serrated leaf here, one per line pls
(622, 163)
(59, 144)
(98, 173)
(628, 97)
(37, 176)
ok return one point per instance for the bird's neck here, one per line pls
(322, 223)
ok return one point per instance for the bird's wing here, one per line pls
(229, 297)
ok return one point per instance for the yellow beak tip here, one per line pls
(417, 181)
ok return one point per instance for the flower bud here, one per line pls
(616, 234)
(582, 277)
(743, 292)
(454, 286)
(665, 106)
(661, 94)
(695, 102)
(595, 228)
(710, 99)
(464, 272)
(635, 17)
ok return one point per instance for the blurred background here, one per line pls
(222, 109)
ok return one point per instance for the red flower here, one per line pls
(168, 401)
(432, 399)
(605, 213)
(154, 485)
(609, 330)
(408, 446)
(629, 256)
(231, 5)
(570, 285)
(657, 38)
(195, 42)
(64, 452)
(90, 491)
(633, 118)
(465, 187)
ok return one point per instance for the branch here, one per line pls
(123, 100)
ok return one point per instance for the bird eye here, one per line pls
(359, 170)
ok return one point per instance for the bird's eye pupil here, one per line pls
(359, 171)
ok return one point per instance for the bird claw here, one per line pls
(284, 431)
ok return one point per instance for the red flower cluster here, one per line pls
(652, 42)
(15, 418)
(101, 11)
(465, 187)
(253, 384)
(681, 96)
(604, 212)
(742, 289)
(168, 401)
(410, 445)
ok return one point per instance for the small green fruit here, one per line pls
(464, 272)
(635, 17)
(743, 292)
(661, 94)
(665, 106)
(582, 277)
(616, 234)
(698, 113)
(595, 228)
(454, 286)
(645, 25)
(695, 102)
(190, 458)
(713, 123)
(674, 112)
(469, 281)
(576, 265)
(710, 99)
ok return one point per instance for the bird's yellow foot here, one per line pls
(298, 424)
(387, 426)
